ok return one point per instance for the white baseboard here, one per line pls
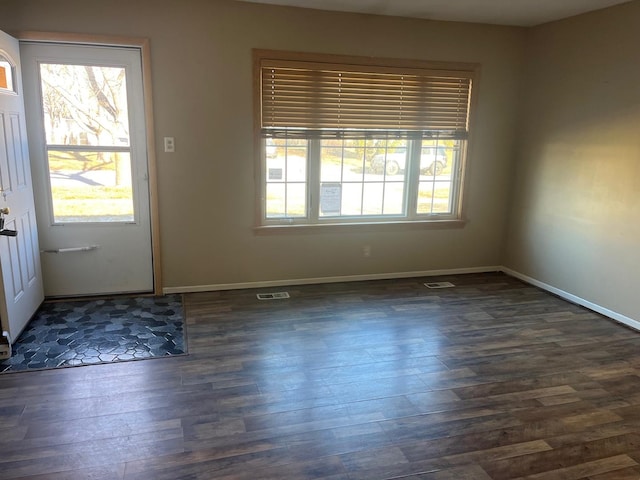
(318, 280)
(629, 322)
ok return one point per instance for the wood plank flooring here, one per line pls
(492, 379)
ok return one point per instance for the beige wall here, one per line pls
(575, 221)
(575, 202)
(201, 48)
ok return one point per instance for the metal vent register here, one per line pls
(439, 285)
(272, 296)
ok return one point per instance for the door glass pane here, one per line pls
(84, 105)
(6, 75)
(90, 186)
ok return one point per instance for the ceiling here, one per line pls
(524, 13)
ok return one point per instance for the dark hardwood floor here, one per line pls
(492, 379)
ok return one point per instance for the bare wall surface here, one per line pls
(202, 80)
(575, 221)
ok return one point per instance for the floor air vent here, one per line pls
(439, 285)
(273, 296)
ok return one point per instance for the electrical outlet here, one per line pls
(366, 251)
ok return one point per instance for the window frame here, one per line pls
(313, 221)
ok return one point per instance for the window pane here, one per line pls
(352, 199)
(296, 200)
(438, 164)
(353, 163)
(442, 197)
(390, 158)
(394, 198)
(354, 180)
(85, 105)
(276, 200)
(295, 148)
(330, 162)
(372, 198)
(433, 159)
(425, 197)
(435, 197)
(296, 168)
(286, 177)
(90, 186)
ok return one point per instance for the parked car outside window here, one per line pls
(433, 161)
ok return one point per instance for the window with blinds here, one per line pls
(331, 98)
(352, 140)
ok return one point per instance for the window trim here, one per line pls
(454, 220)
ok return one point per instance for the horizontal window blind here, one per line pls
(327, 100)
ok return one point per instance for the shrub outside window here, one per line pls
(348, 140)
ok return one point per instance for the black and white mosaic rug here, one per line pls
(97, 331)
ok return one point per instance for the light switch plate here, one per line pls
(169, 145)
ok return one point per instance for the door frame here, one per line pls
(145, 54)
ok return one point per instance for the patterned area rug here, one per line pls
(75, 333)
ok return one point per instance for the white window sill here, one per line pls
(359, 227)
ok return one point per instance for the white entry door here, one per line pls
(89, 160)
(21, 279)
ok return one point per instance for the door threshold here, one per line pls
(102, 296)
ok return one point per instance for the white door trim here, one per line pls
(143, 45)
